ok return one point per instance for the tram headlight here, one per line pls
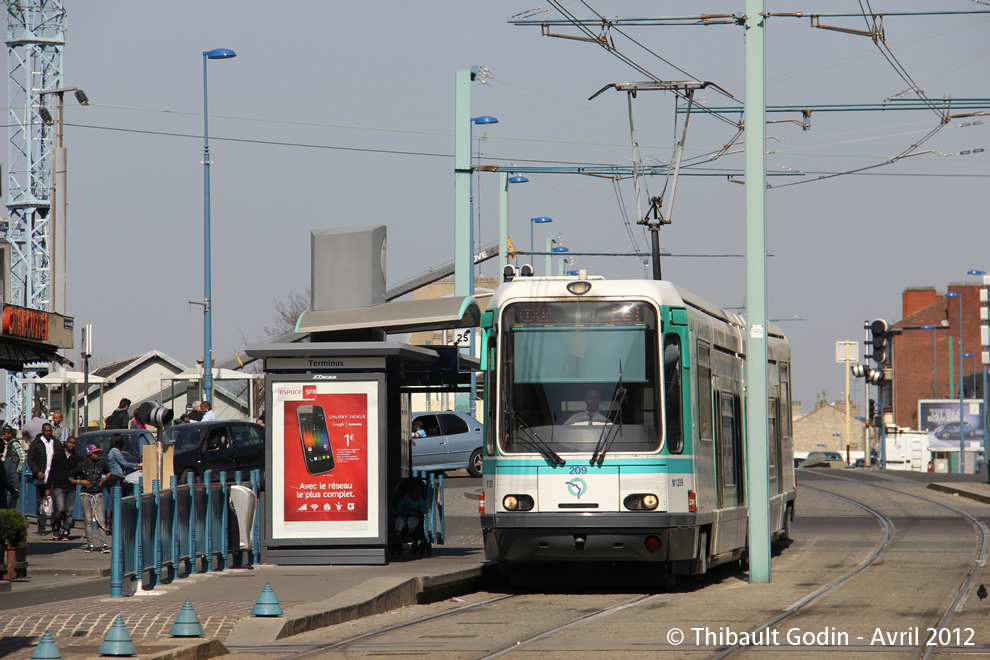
(641, 502)
(518, 503)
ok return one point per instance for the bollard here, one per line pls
(187, 623)
(267, 604)
(46, 649)
(118, 640)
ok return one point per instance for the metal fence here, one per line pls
(187, 528)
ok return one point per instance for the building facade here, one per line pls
(925, 354)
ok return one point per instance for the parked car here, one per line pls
(951, 430)
(222, 445)
(453, 442)
(134, 439)
(823, 459)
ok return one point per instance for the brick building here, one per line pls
(915, 374)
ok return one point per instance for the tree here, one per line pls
(287, 312)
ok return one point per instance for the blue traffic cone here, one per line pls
(267, 604)
(187, 623)
(118, 640)
(46, 649)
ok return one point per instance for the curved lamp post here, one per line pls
(215, 54)
(503, 219)
(962, 436)
(933, 328)
(533, 222)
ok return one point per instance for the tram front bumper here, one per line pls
(539, 537)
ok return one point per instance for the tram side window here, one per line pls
(673, 398)
(772, 439)
(785, 398)
(704, 392)
(729, 441)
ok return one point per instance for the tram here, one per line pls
(614, 425)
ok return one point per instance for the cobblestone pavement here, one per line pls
(83, 623)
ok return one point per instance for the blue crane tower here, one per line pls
(35, 39)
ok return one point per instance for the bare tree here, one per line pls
(287, 312)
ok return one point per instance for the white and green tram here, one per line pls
(614, 425)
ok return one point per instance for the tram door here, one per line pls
(729, 454)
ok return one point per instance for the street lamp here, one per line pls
(503, 219)
(532, 222)
(215, 54)
(933, 328)
(554, 250)
(962, 436)
(58, 208)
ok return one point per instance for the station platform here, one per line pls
(311, 597)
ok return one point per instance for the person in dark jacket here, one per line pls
(63, 490)
(10, 481)
(119, 418)
(40, 455)
(91, 473)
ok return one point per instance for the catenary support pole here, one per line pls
(757, 468)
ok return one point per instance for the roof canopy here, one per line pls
(218, 374)
(395, 317)
(68, 378)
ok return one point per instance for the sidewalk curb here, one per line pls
(945, 488)
(69, 572)
(374, 596)
(201, 650)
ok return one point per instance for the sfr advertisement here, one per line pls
(325, 458)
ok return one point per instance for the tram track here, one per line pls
(520, 621)
(958, 594)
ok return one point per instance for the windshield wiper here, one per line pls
(535, 441)
(609, 431)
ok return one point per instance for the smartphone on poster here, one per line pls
(315, 438)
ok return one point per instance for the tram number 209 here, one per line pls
(579, 470)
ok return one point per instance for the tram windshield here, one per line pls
(573, 373)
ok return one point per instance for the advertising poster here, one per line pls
(940, 419)
(325, 459)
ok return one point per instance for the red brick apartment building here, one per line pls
(914, 373)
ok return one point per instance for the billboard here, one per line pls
(940, 419)
(326, 458)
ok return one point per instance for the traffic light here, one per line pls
(871, 413)
(880, 338)
(872, 376)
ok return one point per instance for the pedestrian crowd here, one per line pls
(56, 468)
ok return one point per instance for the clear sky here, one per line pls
(339, 114)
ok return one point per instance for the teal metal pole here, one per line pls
(548, 270)
(757, 409)
(503, 224)
(463, 227)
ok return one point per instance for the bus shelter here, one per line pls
(338, 424)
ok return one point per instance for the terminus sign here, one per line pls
(37, 325)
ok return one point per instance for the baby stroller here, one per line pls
(407, 514)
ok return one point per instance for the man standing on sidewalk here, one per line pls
(63, 490)
(39, 459)
(60, 430)
(91, 474)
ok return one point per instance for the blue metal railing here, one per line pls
(166, 534)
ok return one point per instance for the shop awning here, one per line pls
(15, 354)
(396, 317)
